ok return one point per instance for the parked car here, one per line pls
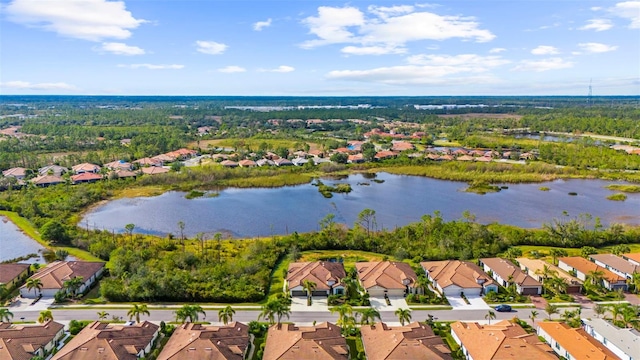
(503, 308)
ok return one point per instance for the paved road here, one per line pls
(298, 317)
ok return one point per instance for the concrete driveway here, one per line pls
(24, 304)
(318, 303)
(475, 303)
(380, 304)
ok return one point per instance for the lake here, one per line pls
(399, 200)
(14, 244)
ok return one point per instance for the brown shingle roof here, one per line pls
(412, 342)
(505, 268)
(502, 340)
(585, 266)
(19, 342)
(85, 167)
(323, 341)
(386, 274)
(319, 272)
(154, 170)
(47, 180)
(108, 341)
(616, 262)
(464, 274)
(8, 272)
(55, 274)
(577, 342)
(15, 172)
(195, 341)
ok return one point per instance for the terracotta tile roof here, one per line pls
(125, 173)
(616, 262)
(154, 170)
(85, 167)
(577, 342)
(536, 264)
(412, 342)
(108, 342)
(119, 164)
(148, 161)
(229, 163)
(633, 256)
(385, 154)
(164, 157)
(502, 340)
(87, 176)
(464, 274)
(247, 163)
(505, 268)
(8, 272)
(386, 274)
(20, 342)
(323, 341)
(15, 172)
(585, 266)
(320, 272)
(55, 274)
(47, 180)
(195, 341)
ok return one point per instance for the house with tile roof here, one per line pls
(247, 163)
(633, 258)
(47, 180)
(282, 162)
(572, 343)
(148, 162)
(119, 165)
(120, 174)
(615, 264)
(12, 274)
(625, 343)
(23, 342)
(196, 341)
(154, 170)
(583, 267)
(56, 273)
(534, 267)
(16, 172)
(451, 277)
(110, 342)
(415, 341)
(56, 170)
(319, 342)
(503, 340)
(504, 271)
(86, 177)
(85, 167)
(387, 278)
(326, 275)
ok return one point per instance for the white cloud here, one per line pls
(121, 49)
(211, 47)
(92, 20)
(232, 69)
(279, 69)
(597, 47)
(427, 69)
(543, 65)
(497, 50)
(596, 8)
(152, 66)
(545, 50)
(387, 28)
(25, 85)
(258, 26)
(372, 50)
(597, 25)
(628, 10)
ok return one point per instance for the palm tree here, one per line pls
(268, 312)
(137, 310)
(275, 308)
(309, 286)
(599, 310)
(350, 287)
(533, 316)
(45, 316)
(595, 278)
(3, 290)
(73, 285)
(634, 282)
(33, 284)
(630, 315)
(102, 315)
(545, 273)
(283, 309)
(551, 309)
(226, 315)
(616, 310)
(404, 315)
(190, 312)
(343, 311)
(369, 316)
(423, 283)
(490, 316)
(5, 315)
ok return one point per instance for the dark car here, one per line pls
(503, 308)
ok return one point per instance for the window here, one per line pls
(557, 346)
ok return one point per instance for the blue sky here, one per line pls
(330, 48)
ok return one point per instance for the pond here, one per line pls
(397, 200)
(14, 244)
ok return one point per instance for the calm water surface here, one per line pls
(398, 201)
(14, 244)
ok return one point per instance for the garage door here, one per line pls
(319, 293)
(298, 293)
(530, 291)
